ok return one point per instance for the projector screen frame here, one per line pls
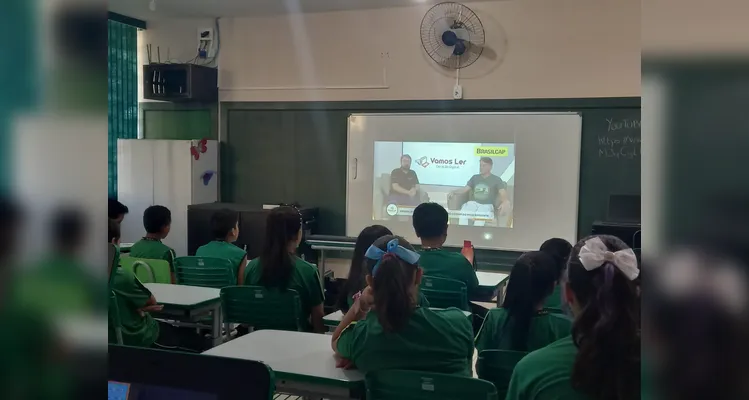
(360, 151)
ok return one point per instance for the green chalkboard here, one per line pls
(296, 151)
(609, 161)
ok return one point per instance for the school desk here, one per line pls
(303, 363)
(188, 303)
(480, 308)
(491, 284)
(333, 319)
(324, 243)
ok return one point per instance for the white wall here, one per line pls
(536, 49)
(541, 49)
(176, 38)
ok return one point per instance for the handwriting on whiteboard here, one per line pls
(622, 139)
(621, 124)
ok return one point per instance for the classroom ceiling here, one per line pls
(246, 8)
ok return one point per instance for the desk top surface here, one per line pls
(183, 295)
(291, 355)
(491, 279)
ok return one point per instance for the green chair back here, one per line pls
(115, 323)
(147, 270)
(210, 272)
(415, 385)
(261, 308)
(496, 366)
(444, 293)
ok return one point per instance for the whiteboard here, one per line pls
(535, 157)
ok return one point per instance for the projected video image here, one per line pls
(473, 181)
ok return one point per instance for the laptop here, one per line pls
(623, 209)
(150, 374)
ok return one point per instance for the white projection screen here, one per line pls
(508, 180)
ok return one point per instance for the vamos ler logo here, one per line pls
(452, 163)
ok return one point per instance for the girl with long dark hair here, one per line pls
(559, 249)
(386, 329)
(356, 282)
(601, 359)
(279, 268)
(522, 323)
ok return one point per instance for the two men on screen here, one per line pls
(404, 184)
(489, 195)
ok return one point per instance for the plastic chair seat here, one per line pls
(261, 308)
(444, 292)
(416, 385)
(210, 272)
(496, 366)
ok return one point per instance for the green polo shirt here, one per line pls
(422, 302)
(545, 328)
(57, 286)
(137, 330)
(449, 264)
(304, 279)
(545, 374)
(432, 341)
(222, 249)
(153, 249)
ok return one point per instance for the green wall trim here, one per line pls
(149, 109)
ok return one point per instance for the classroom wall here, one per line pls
(536, 49)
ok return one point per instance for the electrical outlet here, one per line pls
(206, 43)
(458, 92)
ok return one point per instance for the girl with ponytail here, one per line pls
(601, 359)
(522, 323)
(385, 327)
(279, 268)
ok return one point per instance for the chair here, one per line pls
(382, 191)
(415, 385)
(210, 272)
(114, 317)
(147, 270)
(444, 292)
(261, 308)
(496, 366)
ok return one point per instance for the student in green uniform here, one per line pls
(117, 210)
(601, 359)
(559, 249)
(225, 228)
(61, 283)
(356, 281)
(430, 224)
(157, 220)
(356, 275)
(386, 329)
(134, 303)
(522, 323)
(278, 267)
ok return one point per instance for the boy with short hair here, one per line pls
(134, 302)
(430, 224)
(225, 228)
(157, 220)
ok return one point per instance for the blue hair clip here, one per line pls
(376, 253)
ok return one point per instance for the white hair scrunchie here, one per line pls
(595, 253)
